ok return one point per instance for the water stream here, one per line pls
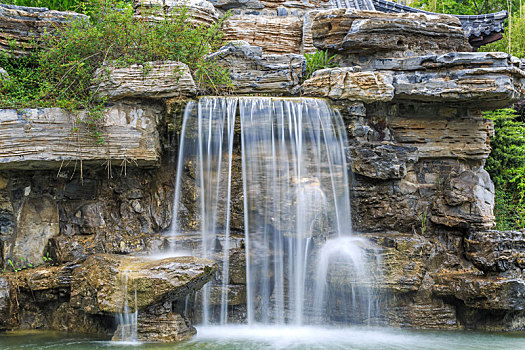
(295, 187)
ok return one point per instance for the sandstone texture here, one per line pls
(47, 138)
(346, 83)
(151, 80)
(26, 25)
(276, 35)
(251, 71)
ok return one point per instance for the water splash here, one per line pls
(127, 320)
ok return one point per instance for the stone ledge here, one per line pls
(154, 80)
(25, 25)
(42, 138)
(345, 83)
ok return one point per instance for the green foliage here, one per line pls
(467, 7)
(506, 166)
(60, 5)
(316, 61)
(62, 75)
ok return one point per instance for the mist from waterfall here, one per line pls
(297, 222)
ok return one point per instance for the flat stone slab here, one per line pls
(154, 80)
(488, 80)
(387, 34)
(25, 26)
(105, 281)
(348, 84)
(43, 138)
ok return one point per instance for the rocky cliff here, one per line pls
(411, 94)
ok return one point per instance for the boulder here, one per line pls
(201, 12)
(153, 80)
(348, 84)
(466, 201)
(251, 71)
(38, 222)
(383, 161)
(276, 35)
(99, 286)
(44, 138)
(26, 25)
(355, 32)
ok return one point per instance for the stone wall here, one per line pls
(417, 146)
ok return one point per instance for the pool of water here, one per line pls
(288, 337)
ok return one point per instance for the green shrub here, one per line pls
(316, 61)
(506, 166)
(61, 75)
(60, 5)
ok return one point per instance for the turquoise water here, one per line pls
(258, 338)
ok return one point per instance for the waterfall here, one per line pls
(297, 223)
(127, 319)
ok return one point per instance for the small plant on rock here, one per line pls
(316, 61)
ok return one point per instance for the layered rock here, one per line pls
(24, 26)
(381, 34)
(276, 35)
(346, 83)
(151, 80)
(51, 137)
(251, 71)
(496, 251)
(201, 12)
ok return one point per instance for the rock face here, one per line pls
(276, 35)
(44, 138)
(154, 80)
(251, 71)
(97, 286)
(25, 25)
(381, 34)
(201, 12)
(345, 83)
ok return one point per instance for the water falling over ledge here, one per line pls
(296, 198)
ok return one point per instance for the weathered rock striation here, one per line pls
(151, 80)
(24, 26)
(251, 71)
(51, 137)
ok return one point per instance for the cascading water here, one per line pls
(297, 221)
(127, 320)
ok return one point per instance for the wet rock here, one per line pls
(37, 224)
(275, 35)
(349, 84)
(165, 327)
(496, 251)
(89, 218)
(235, 295)
(387, 34)
(383, 161)
(482, 292)
(9, 317)
(155, 80)
(251, 71)
(467, 201)
(43, 138)
(26, 25)
(97, 285)
(45, 277)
